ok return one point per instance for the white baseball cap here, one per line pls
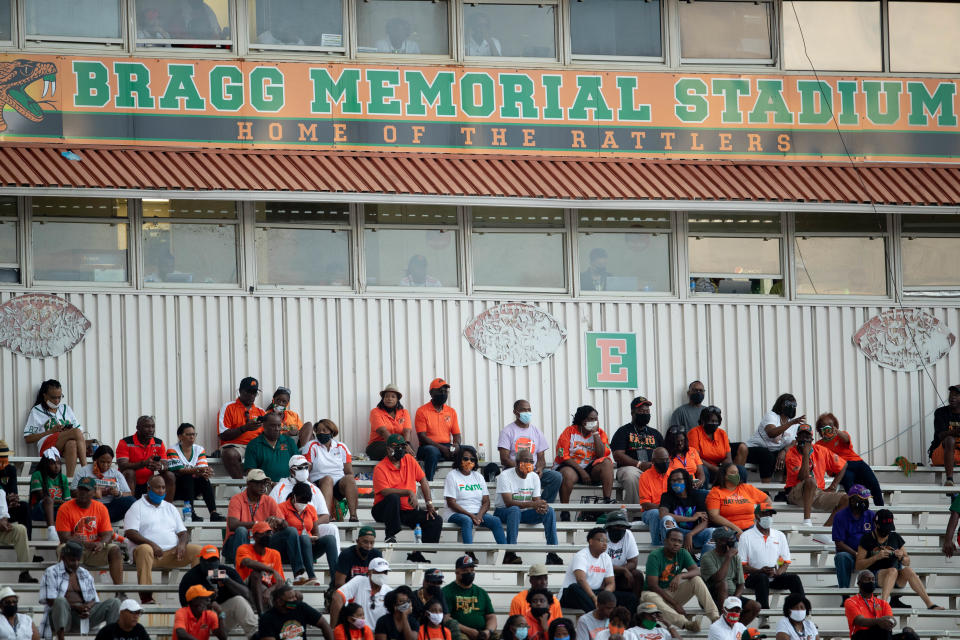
(732, 602)
(130, 605)
(379, 565)
(298, 460)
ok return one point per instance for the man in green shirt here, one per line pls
(721, 569)
(673, 578)
(469, 604)
(270, 451)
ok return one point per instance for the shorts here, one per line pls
(93, 558)
(822, 500)
(337, 494)
(936, 456)
(242, 448)
(49, 443)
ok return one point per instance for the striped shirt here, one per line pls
(54, 583)
(176, 459)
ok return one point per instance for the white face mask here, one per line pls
(301, 475)
(279, 408)
(299, 507)
(592, 426)
(436, 618)
(378, 579)
(798, 616)
(766, 522)
(53, 405)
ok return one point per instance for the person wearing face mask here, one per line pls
(297, 549)
(713, 445)
(329, 540)
(290, 422)
(673, 579)
(239, 422)
(539, 577)
(684, 507)
(838, 442)
(51, 423)
(331, 467)
(289, 618)
(260, 566)
(69, 595)
(720, 568)
(849, 526)
(438, 428)
(562, 629)
(524, 434)
(49, 489)
(774, 435)
(945, 447)
(15, 625)
(387, 418)
(112, 488)
(683, 457)
(401, 622)
(588, 574)
(870, 617)
(431, 621)
(368, 591)
(229, 591)
(731, 503)
(633, 446)
(271, 450)
(619, 627)
(651, 625)
(199, 618)
(583, 455)
(625, 556)
(516, 628)
(687, 415)
(796, 623)
(765, 555)
(651, 487)
(469, 604)
(518, 500)
(353, 561)
(807, 466)
(468, 500)
(351, 624)
(728, 626)
(539, 613)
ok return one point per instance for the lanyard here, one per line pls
(253, 510)
(872, 605)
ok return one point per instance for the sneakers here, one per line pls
(511, 558)
(693, 625)
(26, 578)
(807, 522)
(196, 517)
(216, 517)
(301, 579)
(897, 603)
(553, 558)
(390, 540)
(564, 516)
(52, 534)
(416, 556)
(823, 538)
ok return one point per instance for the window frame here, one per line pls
(26, 41)
(661, 60)
(561, 33)
(454, 11)
(928, 291)
(773, 26)
(178, 45)
(256, 49)
(18, 224)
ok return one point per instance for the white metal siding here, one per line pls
(180, 357)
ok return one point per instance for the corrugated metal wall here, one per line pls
(180, 357)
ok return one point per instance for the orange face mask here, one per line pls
(467, 465)
(4, 462)
(614, 630)
(526, 467)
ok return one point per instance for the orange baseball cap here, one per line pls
(259, 527)
(197, 591)
(209, 551)
(438, 383)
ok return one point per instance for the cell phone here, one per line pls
(156, 458)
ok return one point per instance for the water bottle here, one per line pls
(418, 534)
(482, 452)
(187, 511)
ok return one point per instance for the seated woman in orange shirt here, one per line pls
(299, 514)
(351, 625)
(387, 418)
(713, 444)
(684, 457)
(731, 502)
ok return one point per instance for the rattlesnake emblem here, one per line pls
(15, 77)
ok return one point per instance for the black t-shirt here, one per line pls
(113, 632)
(419, 604)
(695, 501)
(352, 565)
(387, 626)
(636, 442)
(8, 479)
(198, 575)
(893, 542)
(944, 419)
(288, 624)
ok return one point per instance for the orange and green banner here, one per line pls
(251, 104)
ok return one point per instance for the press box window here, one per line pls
(403, 27)
(930, 253)
(411, 246)
(722, 30)
(292, 24)
(836, 36)
(6, 21)
(197, 24)
(620, 28)
(516, 248)
(84, 21)
(303, 244)
(735, 254)
(80, 239)
(925, 36)
(510, 30)
(189, 242)
(840, 254)
(623, 251)
(9, 255)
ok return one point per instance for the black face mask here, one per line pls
(711, 428)
(468, 578)
(790, 410)
(867, 588)
(539, 611)
(432, 590)
(266, 539)
(324, 438)
(210, 566)
(441, 398)
(641, 419)
(696, 397)
(616, 534)
(858, 506)
(9, 610)
(398, 453)
(661, 466)
(884, 529)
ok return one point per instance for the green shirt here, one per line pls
(659, 565)
(57, 488)
(273, 461)
(955, 504)
(468, 606)
(710, 563)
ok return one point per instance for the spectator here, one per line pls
(140, 456)
(765, 555)
(515, 628)
(620, 621)
(838, 443)
(713, 445)
(52, 424)
(399, 623)
(239, 423)
(521, 434)
(229, 591)
(807, 465)
(368, 591)
(633, 446)
(15, 534)
(87, 522)
(539, 612)
(870, 617)
(518, 500)
(328, 542)
(652, 626)
(353, 561)
(849, 526)
(17, 511)
(270, 451)
(387, 418)
(467, 498)
(351, 624)
(583, 456)
(950, 539)
(539, 578)
(721, 569)
(397, 38)
(470, 605)
(199, 617)
(482, 43)
(683, 457)
(112, 488)
(431, 623)
(673, 578)
(395, 481)
(729, 625)
(625, 556)
(688, 415)
(437, 429)
(882, 551)
(562, 629)
(290, 616)
(157, 536)
(48, 490)
(259, 566)
(732, 503)
(651, 487)
(432, 588)
(946, 435)
(290, 422)
(683, 507)
(596, 620)
(246, 509)
(590, 572)
(776, 432)
(331, 468)
(15, 625)
(796, 623)
(301, 518)
(68, 595)
(127, 626)
(188, 463)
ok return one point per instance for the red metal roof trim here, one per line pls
(477, 175)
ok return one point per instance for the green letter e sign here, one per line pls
(611, 360)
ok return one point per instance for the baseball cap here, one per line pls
(259, 527)
(617, 519)
(366, 530)
(395, 439)
(538, 570)
(885, 516)
(752, 634)
(859, 491)
(391, 387)
(87, 483)
(6, 592)
(5, 449)
(438, 383)
(249, 384)
(197, 591)
(210, 551)
(639, 401)
(465, 561)
(131, 605)
(955, 387)
(723, 533)
(760, 509)
(433, 575)
(733, 602)
(297, 460)
(648, 608)
(379, 565)
(256, 475)
(805, 428)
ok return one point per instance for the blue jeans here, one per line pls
(117, 508)
(859, 472)
(241, 535)
(294, 548)
(844, 562)
(430, 456)
(651, 517)
(550, 481)
(513, 516)
(466, 527)
(702, 540)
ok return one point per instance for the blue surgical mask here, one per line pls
(155, 498)
(525, 416)
(678, 487)
(520, 633)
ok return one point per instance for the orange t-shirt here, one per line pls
(574, 447)
(303, 522)
(388, 476)
(842, 449)
(199, 628)
(519, 606)
(243, 510)
(711, 450)
(438, 425)
(355, 634)
(690, 462)
(737, 505)
(855, 606)
(652, 485)
(824, 461)
(433, 633)
(235, 414)
(393, 424)
(87, 523)
(270, 557)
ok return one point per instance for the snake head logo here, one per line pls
(15, 77)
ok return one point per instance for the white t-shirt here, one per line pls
(782, 441)
(521, 489)
(24, 630)
(622, 551)
(283, 488)
(720, 630)
(467, 491)
(596, 569)
(40, 416)
(158, 524)
(515, 438)
(327, 462)
(760, 551)
(810, 630)
(111, 478)
(357, 589)
(589, 627)
(659, 632)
